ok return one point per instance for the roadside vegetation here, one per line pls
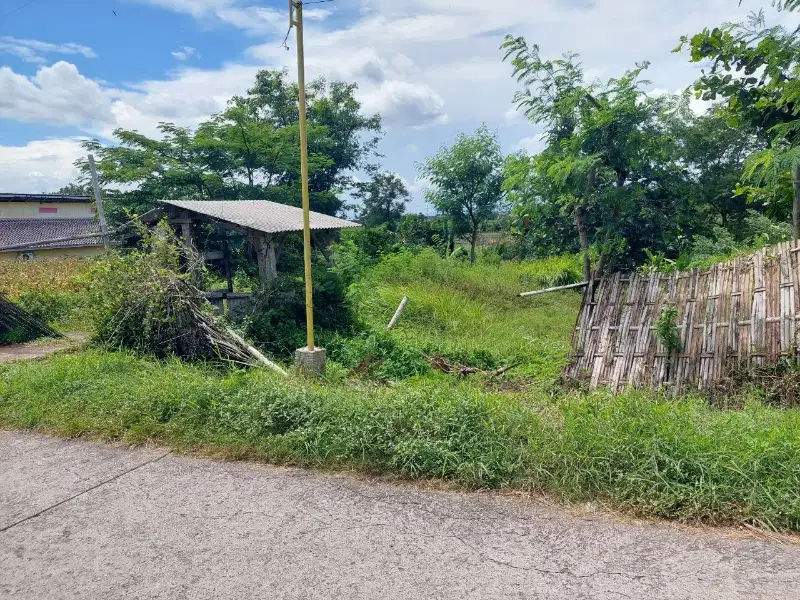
(467, 387)
(636, 451)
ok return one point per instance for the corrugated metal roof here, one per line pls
(261, 215)
(56, 198)
(14, 232)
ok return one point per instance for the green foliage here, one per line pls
(470, 314)
(51, 307)
(467, 181)
(377, 354)
(143, 301)
(248, 151)
(610, 163)
(383, 200)
(755, 69)
(15, 335)
(638, 451)
(277, 319)
(667, 331)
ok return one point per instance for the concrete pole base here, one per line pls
(310, 362)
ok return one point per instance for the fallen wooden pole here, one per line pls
(256, 354)
(397, 313)
(574, 286)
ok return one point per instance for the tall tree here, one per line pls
(756, 70)
(714, 153)
(467, 180)
(609, 160)
(248, 151)
(383, 200)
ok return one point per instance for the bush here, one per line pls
(143, 301)
(50, 307)
(277, 320)
(377, 354)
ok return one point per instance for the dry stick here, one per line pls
(555, 289)
(256, 354)
(398, 313)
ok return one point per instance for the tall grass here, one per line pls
(472, 312)
(56, 275)
(655, 456)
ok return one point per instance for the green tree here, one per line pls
(756, 70)
(467, 180)
(609, 160)
(714, 153)
(248, 151)
(383, 200)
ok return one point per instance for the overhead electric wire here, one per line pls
(19, 8)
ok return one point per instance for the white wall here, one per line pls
(30, 210)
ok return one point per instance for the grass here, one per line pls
(641, 452)
(472, 312)
(644, 453)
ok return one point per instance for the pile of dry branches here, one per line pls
(148, 301)
(17, 325)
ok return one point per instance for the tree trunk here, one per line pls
(580, 225)
(473, 242)
(796, 202)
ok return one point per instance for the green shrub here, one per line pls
(277, 319)
(377, 354)
(50, 307)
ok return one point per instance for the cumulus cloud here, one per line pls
(40, 166)
(33, 51)
(185, 53)
(404, 103)
(57, 94)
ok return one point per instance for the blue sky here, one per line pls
(71, 69)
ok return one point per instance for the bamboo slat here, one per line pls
(746, 311)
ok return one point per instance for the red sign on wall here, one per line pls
(48, 210)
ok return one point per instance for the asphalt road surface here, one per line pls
(87, 520)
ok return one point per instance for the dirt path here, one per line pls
(86, 520)
(40, 349)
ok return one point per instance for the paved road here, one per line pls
(85, 520)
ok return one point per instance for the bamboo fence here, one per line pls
(742, 313)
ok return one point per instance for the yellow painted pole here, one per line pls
(296, 19)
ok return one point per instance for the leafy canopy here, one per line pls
(250, 150)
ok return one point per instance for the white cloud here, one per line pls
(406, 104)
(417, 62)
(530, 144)
(255, 19)
(32, 51)
(40, 166)
(57, 94)
(185, 53)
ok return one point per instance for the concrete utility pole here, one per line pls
(310, 358)
(98, 199)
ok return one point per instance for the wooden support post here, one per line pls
(226, 265)
(322, 241)
(267, 261)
